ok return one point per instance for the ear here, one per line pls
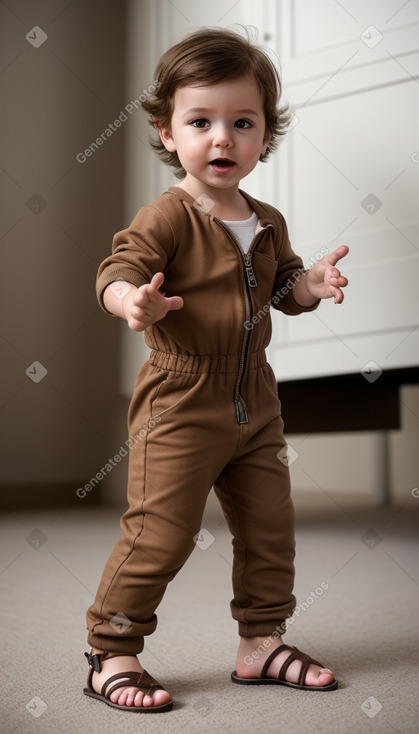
(166, 138)
(267, 139)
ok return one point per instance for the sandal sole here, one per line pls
(135, 709)
(274, 682)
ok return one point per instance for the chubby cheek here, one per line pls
(190, 149)
(252, 153)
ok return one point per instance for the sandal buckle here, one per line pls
(94, 661)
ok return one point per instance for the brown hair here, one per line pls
(210, 56)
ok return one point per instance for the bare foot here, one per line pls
(126, 695)
(250, 665)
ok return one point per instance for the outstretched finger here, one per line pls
(174, 303)
(156, 282)
(337, 254)
(337, 294)
(338, 280)
(144, 292)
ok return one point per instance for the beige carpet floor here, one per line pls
(364, 626)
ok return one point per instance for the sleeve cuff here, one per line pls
(109, 276)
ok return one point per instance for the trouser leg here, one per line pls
(171, 472)
(158, 532)
(254, 491)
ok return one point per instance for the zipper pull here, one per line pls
(251, 277)
(241, 412)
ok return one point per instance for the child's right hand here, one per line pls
(145, 305)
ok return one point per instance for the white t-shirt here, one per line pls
(244, 230)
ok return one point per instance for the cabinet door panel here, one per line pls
(349, 173)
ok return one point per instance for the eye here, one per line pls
(201, 123)
(242, 124)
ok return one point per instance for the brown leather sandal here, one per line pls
(295, 654)
(143, 681)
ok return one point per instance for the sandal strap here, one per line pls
(295, 654)
(271, 657)
(311, 660)
(95, 661)
(306, 661)
(303, 672)
(133, 679)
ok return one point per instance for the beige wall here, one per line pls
(56, 100)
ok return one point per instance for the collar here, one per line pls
(261, 209)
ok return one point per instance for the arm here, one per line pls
(138, 253)
(290, 271)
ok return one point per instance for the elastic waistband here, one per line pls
(195, 363)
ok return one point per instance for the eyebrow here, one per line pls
(202, 110)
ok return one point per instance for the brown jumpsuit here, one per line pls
(209, 400)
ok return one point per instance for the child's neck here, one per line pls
(228, 204)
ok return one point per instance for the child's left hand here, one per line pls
(324, 280)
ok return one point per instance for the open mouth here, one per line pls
(222, 164)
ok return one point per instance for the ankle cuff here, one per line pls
(262, 629)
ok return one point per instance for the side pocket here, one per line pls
(270, 380)
(171, 392)
(154, 398)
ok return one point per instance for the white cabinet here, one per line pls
(349, 173)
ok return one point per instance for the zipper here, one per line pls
(248, 281)
(251, 277)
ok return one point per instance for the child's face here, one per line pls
(220, 121)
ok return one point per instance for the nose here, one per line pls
(222, 137)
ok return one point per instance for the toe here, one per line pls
(325, 677)
(119, 696)
(138, 700)
(159, 698)
(319, 676)
(131, 696)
